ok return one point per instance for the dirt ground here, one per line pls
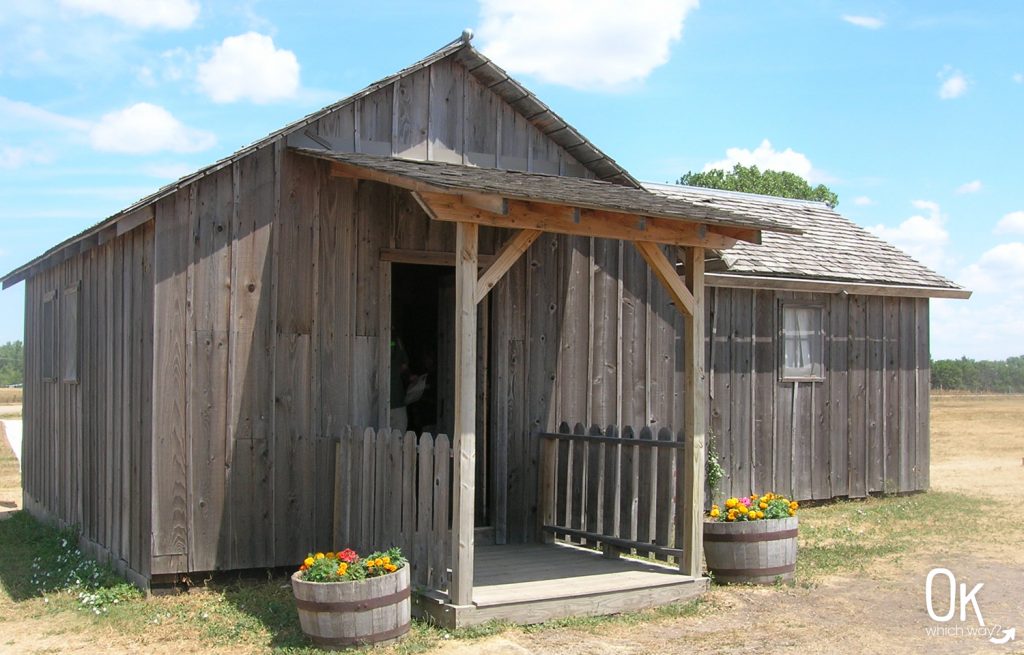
(977, 448)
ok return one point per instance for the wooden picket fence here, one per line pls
(612, 488)
(393, 489)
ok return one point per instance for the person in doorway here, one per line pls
(399, 377)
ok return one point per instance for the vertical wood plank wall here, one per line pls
(87, 443)
(862, 430)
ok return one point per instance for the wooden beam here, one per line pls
(564, 219)
(690, 485)
(339, 169)
(427, 257)
(464, 485)
(487, 202)
(666, 273)
(509, 254)
(737, 281)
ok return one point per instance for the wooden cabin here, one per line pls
(212, 374)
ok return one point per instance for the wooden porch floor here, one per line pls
(533, 583)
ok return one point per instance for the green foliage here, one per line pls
(12, 363)
(749, 179)
(57, 566)
(965, 374)
(713, 471)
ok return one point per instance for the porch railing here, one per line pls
(612, 488)
(393, 489)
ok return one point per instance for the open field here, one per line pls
(861, 577)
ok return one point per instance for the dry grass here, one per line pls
(10, 396)
(978, 444)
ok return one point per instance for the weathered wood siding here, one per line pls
(87, 442)
(441, 113)
(862, 430)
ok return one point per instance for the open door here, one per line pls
(422, 321)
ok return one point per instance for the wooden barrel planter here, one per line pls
(752, 552)
(338, 615)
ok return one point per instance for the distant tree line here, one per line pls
(979, 375)
(12, 363)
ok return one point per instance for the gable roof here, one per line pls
(829, 247)
(555, 189)
(483, 69)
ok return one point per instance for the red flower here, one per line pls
(348, 555)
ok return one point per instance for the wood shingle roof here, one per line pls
(829, 247)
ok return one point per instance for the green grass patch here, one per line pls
(849, 535)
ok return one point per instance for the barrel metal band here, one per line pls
(770, 570)
(353, 605)
(376, 637)
(750, 536)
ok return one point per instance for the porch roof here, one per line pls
(578, 192)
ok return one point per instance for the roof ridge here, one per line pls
(738, 194)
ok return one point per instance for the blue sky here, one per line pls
(910, 111)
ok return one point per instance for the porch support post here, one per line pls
(690, 512)
(463, 490)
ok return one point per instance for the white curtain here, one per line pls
(801, 327)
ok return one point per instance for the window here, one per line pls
(69, 335)
(803, 343)
(48, 337)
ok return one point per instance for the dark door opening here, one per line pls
(423, 350)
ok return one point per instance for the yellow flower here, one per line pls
(308, 561)
(319, 555)
(760, 515)
(732, 515)
(387, 560)
(794, 506)
(742, 509)
(732, 502)
(330, 555)
(792, 512)
(343, 568)
(715, 512)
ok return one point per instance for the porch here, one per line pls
(532, 583)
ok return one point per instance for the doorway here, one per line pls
(423, 361)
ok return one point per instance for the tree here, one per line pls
(12, 364)
(750, 179)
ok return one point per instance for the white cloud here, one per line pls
(863, 201)
(923, 237)
(145, 128)
(973, 186)
(1000, 269)
(249, 67)
(12, 157)
(1012, 223)
(1018, 78)
(868, 22)
(954, 83)
(18, 113)
(582, 43)
(766, 157)
(169, 14)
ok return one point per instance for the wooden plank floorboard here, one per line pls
(533, 572)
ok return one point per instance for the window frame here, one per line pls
(49, 355)
(70, 323)
(820, 364)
